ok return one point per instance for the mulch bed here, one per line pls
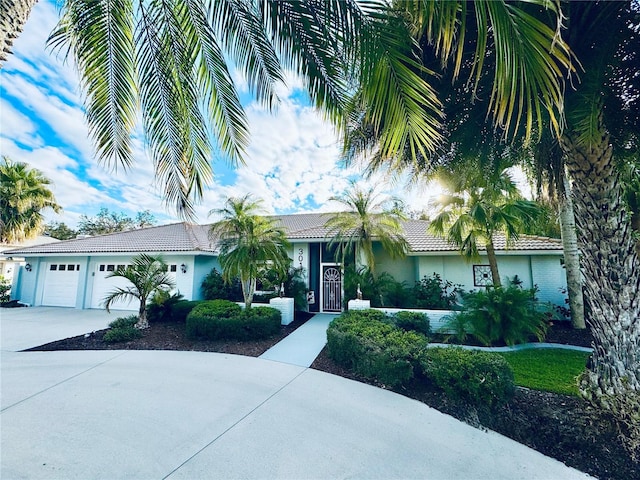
(563, 427)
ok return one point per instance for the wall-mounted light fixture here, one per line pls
(183, 268)
(27, 267)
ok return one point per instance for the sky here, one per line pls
(293, 161)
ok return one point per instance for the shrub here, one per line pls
(507, 314)
(435, 293)
(5, 288)
(214, 287)
(122, 329)
(160, 309)
(413, 321)
(181, 309)
(374, 348)
(477, 378)
(221, 319)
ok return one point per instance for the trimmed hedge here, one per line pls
(122, 329)
(413, 321)
(225, 320)
(371, 346)
(181, 309)
(475, 377)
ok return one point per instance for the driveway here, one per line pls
(22, 328)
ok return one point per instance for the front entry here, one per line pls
(331, 288)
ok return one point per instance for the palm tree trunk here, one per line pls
(142, 315)
(612, 278)
(13, 16)
(571, 255)
(248, 289)
(493, 263)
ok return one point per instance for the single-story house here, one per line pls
(73, 273)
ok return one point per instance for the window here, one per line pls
(101, 268)
(482, 276)
(120, 267)
(173, 268)
(71, 268)
(53, 267)
(62, 267)
(111, 268)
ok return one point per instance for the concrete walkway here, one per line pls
(304, 344)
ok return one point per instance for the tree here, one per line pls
(60, 230)
(367, 218)
(24, 193)
(169, 64)
(111, 222)
(248, 243)
(147, 274)
(479, 206)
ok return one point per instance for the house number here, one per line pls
(300, 256)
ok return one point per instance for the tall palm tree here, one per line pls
(169, 63)
(368, 218)
(248, 243)
(147, 274)
(24, 193)
(478, 207)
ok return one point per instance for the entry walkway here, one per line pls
(302, 346)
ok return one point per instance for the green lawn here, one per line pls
(552, 370)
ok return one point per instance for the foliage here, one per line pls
(480, 204)
(382, 289)
(248, 243)
(374, 348)
(146, 274)
(214, 287)
(367, 219)
(510, 315)
(5, 288)
(60, 230)
(111, 222)
(24, 193)
(294, 285)
(478, 378)
(122, 329)
(550, 370)
(160, 308)
(412, 321)
(181, 309)
(435, 293)
(221, 319)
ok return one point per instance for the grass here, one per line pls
(552, 370)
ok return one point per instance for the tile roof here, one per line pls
(185, 237)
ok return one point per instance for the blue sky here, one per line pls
(292, 161)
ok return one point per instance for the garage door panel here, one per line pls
(104, 285)
(61, 285)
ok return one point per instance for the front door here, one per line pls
(331, 288)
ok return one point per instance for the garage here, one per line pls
(104, 285)
(61, 284)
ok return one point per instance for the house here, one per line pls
(73, 273)
(9, 264)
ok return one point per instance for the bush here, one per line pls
(5, 288)
(413, 321)
(221, 319)
(160, 309)
(477, 378)
(122, 329)
(214, 287)
(510, 315)
(181, 309)
(435, 293)
(374, 348)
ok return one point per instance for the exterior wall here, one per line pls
(201, 268)
(544, 271)
(25, 283)
(402, 269)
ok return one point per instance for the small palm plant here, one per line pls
(147, 274)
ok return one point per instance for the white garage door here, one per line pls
(103, 285)
(61, 285)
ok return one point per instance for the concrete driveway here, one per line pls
(190, 415)
(22, 328)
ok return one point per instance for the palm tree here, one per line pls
(24, 193)
(169, 63)
(248, 244)
(367, 219)
(480, 206)
(147, 274)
